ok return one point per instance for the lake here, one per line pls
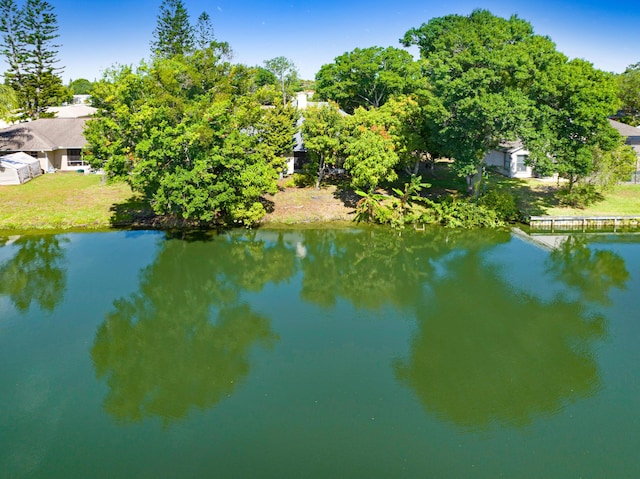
(318, 353)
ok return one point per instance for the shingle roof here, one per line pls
(624, 129)
(46, 134)
(511, 146)
(72, 111)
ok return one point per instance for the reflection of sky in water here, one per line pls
(6, 309)
(530, 272)
(523, 267)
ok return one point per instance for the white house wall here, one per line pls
(56, 160)
(45, 160)
(514, 173)
(496, 158)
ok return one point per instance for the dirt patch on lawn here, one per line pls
(308, 205)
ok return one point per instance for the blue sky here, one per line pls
(95, 35)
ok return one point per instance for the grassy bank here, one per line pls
(61, 201)
(539, 198)
(74, 201)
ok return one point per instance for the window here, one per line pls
(74, 157)
(506, 162)
(521, 163)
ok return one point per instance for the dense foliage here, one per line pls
(323, 130)
(28, 36)
(367, 77)
(189, 134)
(80, 86)
(495, 80)
(285, 74)
(629, 94)
(202, 139)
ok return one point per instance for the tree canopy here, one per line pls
(497, 81)
(286, 74)
(28, 44)
(367, 77)
(80, 86)
(201, 139)
(322, 132)
(189, 134)
(629, 94)
(173, 34)
(8, 101)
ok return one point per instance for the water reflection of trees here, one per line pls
(485, 353)
(593, 272)
(375, 267)
(184, 338)
(36, 273)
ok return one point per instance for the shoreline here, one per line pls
(68, 203)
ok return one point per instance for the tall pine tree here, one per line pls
(173, 34)
(28, 36)
(13, 46)
(204, 36)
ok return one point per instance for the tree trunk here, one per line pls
(320, 172)
(474, 182)
(416, 167)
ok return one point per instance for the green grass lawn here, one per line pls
(65, 201)
(61, 201)
(538, 198)
(623, 200)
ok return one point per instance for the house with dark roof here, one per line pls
(57, 143)
(631, 135)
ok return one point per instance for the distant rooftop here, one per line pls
(73, 111)
(624, 129)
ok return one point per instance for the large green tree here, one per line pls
(322, 132)
(80, 86)
(174, 34)
(629, 94)
(278, 127)
(411, 122)
(28, 44)
(203, 31)
(570, 129)
(367, 77)
(478, 66)
(187, 133)
(286, 74)
(13, 44)
(496, 80)
(370, 151)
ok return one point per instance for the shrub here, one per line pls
(580, 196)
(302, 180)
(503, 203)
(288, 182)
(462, 214)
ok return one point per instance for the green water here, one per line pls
(319, 353)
